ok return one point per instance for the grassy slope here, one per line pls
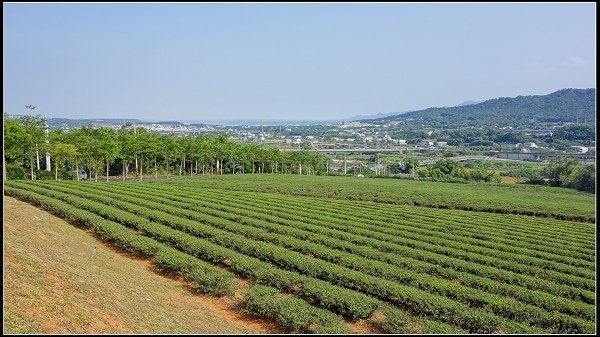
(52, 284)
(518, 198)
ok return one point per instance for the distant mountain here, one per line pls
(57, 123)
(379, 115)
(257, 122)
(566, 105)
(60, 123)
(468, 103)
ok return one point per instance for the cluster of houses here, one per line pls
(253, 137)
(430, 143)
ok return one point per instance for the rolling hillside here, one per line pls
(563, 106)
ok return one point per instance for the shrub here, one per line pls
(15, 171)
(44, 175)
(291, 312)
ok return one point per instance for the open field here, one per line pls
(542, 201)
(396, 268)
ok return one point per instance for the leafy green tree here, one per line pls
(155, 149)
(34, 130)
(108, 146)
(585, 133)
(409, 164)
(171, 150)
(142, 151)
(14, 140)
(559, 169)
(187, 145)
(274, 156)
(445, 166)
(582, 178)
(126, 140)
(62, 153)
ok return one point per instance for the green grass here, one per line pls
(542, 201)
(15, 323)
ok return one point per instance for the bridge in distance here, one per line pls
(536, 157)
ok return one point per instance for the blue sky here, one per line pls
(287, 61)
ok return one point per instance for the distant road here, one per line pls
(364, 150)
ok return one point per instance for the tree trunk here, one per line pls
(107, 171)
(37, 157)
(32, 176)
(96, 175)
(191, 168)
(123, 173)
(155, 169)
(77, 168)
(217, 166)
(55, 171)
(141, 169)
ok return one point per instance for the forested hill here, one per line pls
(566, 105)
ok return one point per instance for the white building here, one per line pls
(579, 149)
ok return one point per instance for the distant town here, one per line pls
(355, 137)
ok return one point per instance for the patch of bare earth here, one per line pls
(60, 279)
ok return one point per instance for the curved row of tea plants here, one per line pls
(413, 227)
(530, 200)
(417, 301)
(540, 299)
(346, 302)
(331, 239)
(219, 218)
(432, 244)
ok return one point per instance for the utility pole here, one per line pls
(136, 163)
(345, 170)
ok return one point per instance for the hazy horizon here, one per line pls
(290, 62)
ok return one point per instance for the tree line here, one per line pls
(134, 152)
